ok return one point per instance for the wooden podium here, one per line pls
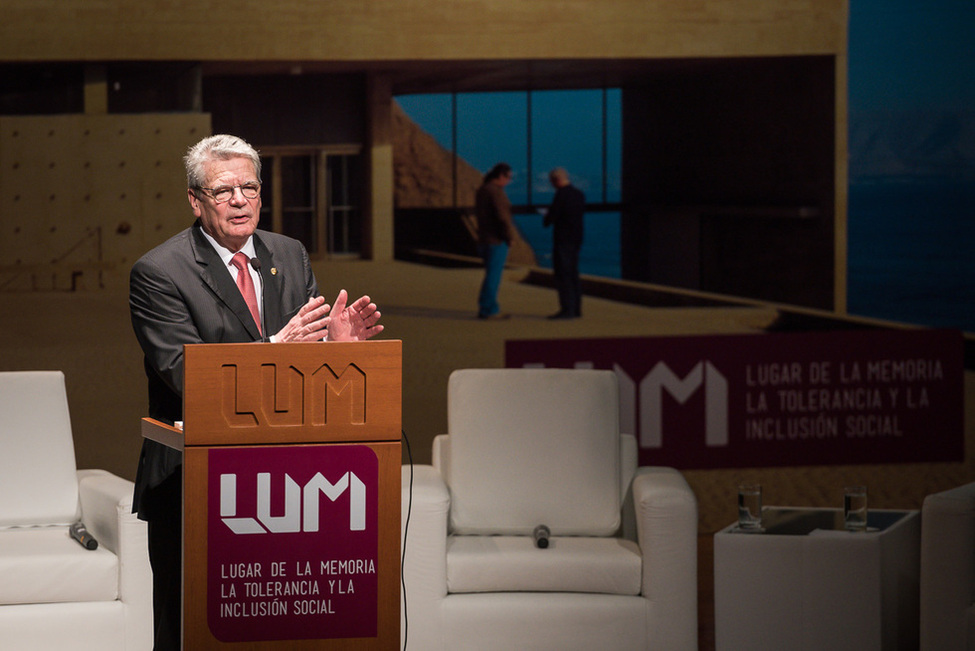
(291, 495)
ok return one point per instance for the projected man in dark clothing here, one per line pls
(566, 215)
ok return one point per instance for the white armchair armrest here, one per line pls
(106, 510)
(102, 496)
(666, 520)
(425, 541)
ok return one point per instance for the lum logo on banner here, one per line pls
(779, 399)
(290, 395)
(660, 379)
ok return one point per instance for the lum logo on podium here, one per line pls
(301, 504)
(292, 395)
(311, 569)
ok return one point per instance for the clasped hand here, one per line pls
(341, 322)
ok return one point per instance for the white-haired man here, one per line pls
(201, 286)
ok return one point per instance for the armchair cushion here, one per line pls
(550, 456)
(37, 467)
(45, 565)
(569, 564)
(560, 622)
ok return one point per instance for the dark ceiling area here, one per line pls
(409, 77)
(140, 86)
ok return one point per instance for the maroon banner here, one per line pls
(292, 542)
(845, 397)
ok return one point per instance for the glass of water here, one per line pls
(750, 507)
(855, 508)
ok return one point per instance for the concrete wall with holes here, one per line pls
(83, 196)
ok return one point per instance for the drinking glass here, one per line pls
(855, 508)
(750, 507)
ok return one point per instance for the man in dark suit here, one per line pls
(566, 213)
(188, 291)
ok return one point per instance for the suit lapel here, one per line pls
(273, 318)
(218, 279)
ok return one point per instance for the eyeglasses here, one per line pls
(225, 193)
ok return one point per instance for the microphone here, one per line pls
(79, 533)
(257, 267)
(541, 535)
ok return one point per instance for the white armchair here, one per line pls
(542, 446)
(54, 593)
(948, 570)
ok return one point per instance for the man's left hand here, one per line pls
(356, 322)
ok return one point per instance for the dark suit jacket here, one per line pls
(567, 212)
(181, 293)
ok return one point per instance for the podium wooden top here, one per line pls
(160, 432)
(251, 394)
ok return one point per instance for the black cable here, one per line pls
(406, 529)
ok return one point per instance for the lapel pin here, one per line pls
(274, 271)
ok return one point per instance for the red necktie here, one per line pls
(246, 286)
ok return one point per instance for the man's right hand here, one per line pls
(309, 324)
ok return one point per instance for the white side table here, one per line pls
(806, 583)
